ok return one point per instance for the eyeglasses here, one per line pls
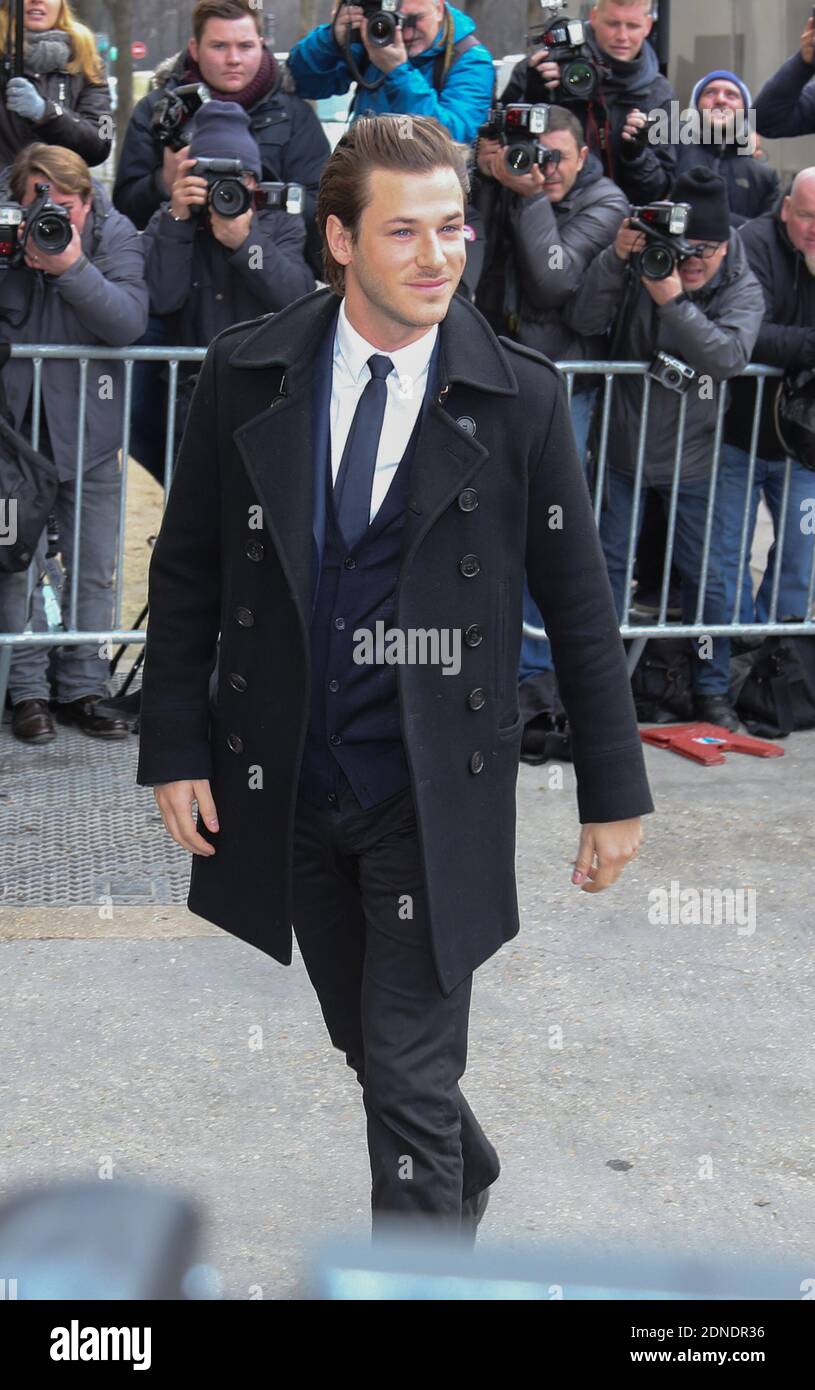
(704, 250)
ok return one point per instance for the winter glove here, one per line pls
(23, 99)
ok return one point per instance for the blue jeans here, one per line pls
(710, 676)
(537, 656)
(796, 563)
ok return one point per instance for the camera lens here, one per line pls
(579, 79)
(656, 263)
(52, 233)
(519, 158)
(381, 29)
(229, 198)
(672, 378)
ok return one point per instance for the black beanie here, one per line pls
(707, 194)
(222, 131)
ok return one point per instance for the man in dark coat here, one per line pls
(360, 479)
(785, 106)
(631, 87)
(752, 184)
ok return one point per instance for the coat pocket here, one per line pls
(501, 641)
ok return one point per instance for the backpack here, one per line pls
(28, 483)
(663, 680)
(775, 689)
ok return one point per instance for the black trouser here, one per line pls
(360, 919)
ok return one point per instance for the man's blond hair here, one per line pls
(644, 4)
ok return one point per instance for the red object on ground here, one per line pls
(707, 743)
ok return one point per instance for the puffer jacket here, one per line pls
(713, 330)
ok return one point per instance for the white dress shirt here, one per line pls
(406, 387)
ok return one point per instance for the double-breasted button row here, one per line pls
(473, 636)
(234, 743)
(468, 499)
(470, 566)
(477, 699)
(477, 762)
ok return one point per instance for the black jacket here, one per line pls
(499, 426)
(293, 147)
(753, 187)
(787, 335)
(77, 127)
(645, 174)
(785, 106)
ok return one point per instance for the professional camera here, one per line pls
(47, 224)
(517, 126)
(671, 372)
(566, 40)
(228, 195)
(384, 18)
(174, 111)
(664, 225)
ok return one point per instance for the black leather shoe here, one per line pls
(85, 716)
(31, 721)
(717, 709)
(472, 1210)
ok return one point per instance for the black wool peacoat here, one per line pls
(495, 484)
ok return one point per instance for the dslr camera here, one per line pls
(228, 195)
(47, 224)
(384, 18)
(566, 40)
(174, 111)
(672, 373)
(517, 127)
(664, 225)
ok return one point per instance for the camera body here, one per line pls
(384, 18)
(580, 75)
(174, 111)
(672, 373)
(228, 195)
(664, 225)
(48, 225)
(517, 127)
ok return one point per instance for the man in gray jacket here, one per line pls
(707, 314)
(544, 229)
(91, 293)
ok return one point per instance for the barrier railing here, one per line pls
(607, 371)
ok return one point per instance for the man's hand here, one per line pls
(527, 185)
(389, 57)
(231, 231)
(169, 168)
(628, 241)
(663, 291)
(485, 149)
(346, 17)
(36, 259)
(550, 72)
(175, 803)
(635, 121)
(189, 190)
(808, 42)
(613, 844)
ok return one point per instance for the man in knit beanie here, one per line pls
(705, 315)
(727, 146)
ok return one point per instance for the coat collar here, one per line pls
(470, 353)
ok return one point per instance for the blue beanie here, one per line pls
(221, 130)
(728, 77)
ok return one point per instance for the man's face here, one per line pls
(560, 179)
(798, 213)
(721, 98)
(72, 202)
(428, 16)
(409, 255)
(229, 53)
(621, 30)
(699, 270)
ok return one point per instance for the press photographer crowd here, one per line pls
(597, 231)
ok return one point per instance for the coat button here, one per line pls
(339, 624)
(349, 562)
(245, 617)
(467, 424)
(468, 499)
(255, 550)
(477, 762)
(235, 743)
(333, 686)
(335, 739)
(477, 699)
(473, 636)
(469, 566)
(237, 682)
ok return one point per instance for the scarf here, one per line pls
(262, 83)
(50, 51)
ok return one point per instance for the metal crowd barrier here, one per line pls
(608, 371)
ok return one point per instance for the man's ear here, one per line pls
(338, 238)
(192, 49)
(582, 157)
(785, 210)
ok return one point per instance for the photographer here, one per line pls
(91, 292)
(62, 96)
(546, 227)
(707, 313)
(785, 106)
(435, 66)
(752, 185)
(631, 86)
(206, 271)
(780, 247)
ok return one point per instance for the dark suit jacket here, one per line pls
(235, 556)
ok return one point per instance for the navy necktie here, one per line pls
(355, 477)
